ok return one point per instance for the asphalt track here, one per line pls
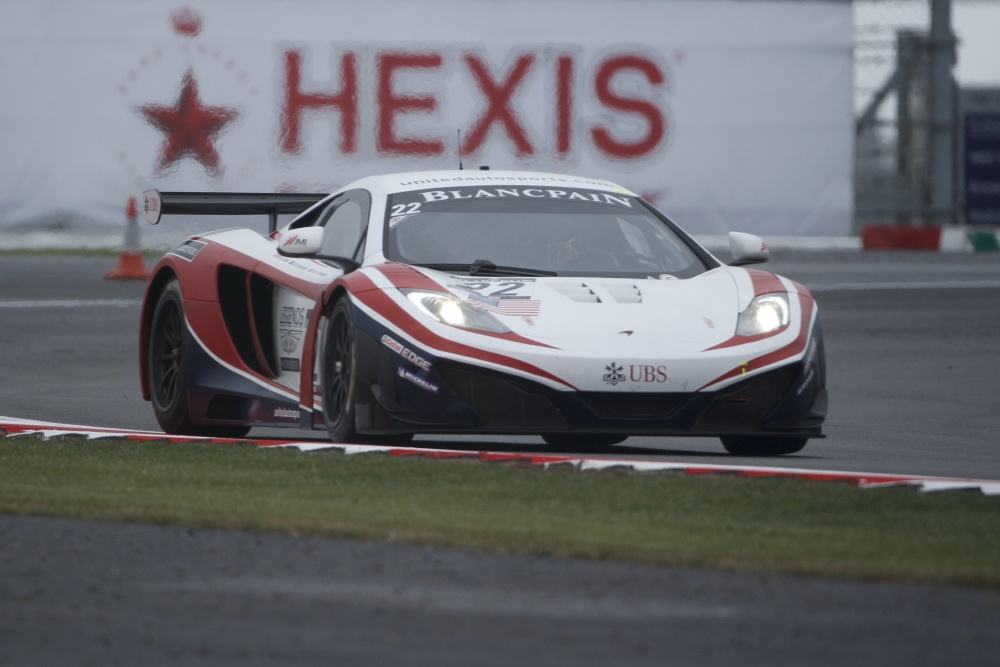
(913, 355)
(912, 342)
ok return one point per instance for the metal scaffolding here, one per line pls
(906, 155)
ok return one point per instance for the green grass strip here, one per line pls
(769, 525)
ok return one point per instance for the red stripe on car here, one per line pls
(791, 350)
(383, 304)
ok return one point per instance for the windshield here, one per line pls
(535, 230)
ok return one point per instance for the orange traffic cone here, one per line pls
(130, 264)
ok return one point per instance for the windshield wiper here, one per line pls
(485, 266)
(481, 265)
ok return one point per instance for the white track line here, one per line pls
(75, 303)
(958, 284)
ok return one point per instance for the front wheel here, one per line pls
(341, 387)
(762, 445)
(339, 377)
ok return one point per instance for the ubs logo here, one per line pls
(637, 373)
(614, 374)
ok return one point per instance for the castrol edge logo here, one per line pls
(405, 352)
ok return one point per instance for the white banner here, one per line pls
(726, 115)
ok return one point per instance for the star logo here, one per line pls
(190, 128)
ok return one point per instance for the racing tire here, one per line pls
(583, 442)
(167, 370)
(763, 445)
(340, 381)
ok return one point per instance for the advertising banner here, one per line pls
(725, 115)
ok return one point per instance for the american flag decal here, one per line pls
(510, 305)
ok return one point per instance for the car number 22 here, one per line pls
(505, 288)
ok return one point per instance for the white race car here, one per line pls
(486, 302)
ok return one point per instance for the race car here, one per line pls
(475, 302)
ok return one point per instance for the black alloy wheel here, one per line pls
(167, 376)
(167, 370)
(338, 374)
(341, 384)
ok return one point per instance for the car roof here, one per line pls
(424, 180)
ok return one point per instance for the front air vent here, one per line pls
(620, 405)
(578, 292)
(623, 292)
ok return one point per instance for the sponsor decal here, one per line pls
(292, 316)
(393, 344)
(806, 380)
(294, 240)
(481, 178)
(519, 193)
(300, 266)
(290, 340)
(286, 413)
(810, 367)
(415, 359)
(405, 352)
(636, 373)
(290, 364)
(500, 295)
(151, 205)
(614, 375)
(708, 322)
(187, 250)
(648, 373)
(417, 380)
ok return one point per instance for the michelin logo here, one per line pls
(419, 381)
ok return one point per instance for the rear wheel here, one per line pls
(167, 370)
(583, 442)
(762, 445)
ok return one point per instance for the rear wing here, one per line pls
(157, 204)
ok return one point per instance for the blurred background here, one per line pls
(805, 121)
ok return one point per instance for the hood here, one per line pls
(638, 314)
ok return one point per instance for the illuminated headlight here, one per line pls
(767, 313)
(449, 310)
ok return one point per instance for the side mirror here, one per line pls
(308, 242)
(304, 241)
(747, 249)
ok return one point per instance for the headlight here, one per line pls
(449, 310)
(766, 313)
